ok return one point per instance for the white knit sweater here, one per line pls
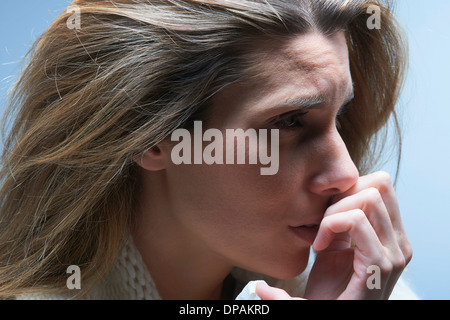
(129, 279)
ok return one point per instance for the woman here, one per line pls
(89, 177)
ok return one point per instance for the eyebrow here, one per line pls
(303, 103)
(314, 102)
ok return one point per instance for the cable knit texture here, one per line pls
(129, 279)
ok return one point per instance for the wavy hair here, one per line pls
(91, 99)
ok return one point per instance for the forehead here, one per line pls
(311, 64)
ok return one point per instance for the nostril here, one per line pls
(330, 202)
(332, 192)
(338, 196)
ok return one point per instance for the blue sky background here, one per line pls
(423, 187)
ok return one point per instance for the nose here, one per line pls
(334, 172)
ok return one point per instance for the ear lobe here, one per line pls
(153, 159)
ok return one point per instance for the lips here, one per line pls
(307, 233)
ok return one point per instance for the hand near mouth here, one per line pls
(362, 229)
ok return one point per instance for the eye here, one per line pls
(344, 109)
(341, 112)
(290, 121)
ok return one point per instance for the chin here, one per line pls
(290, 273)
(289, 268)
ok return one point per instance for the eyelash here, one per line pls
(293, 121)
(292, 124)
(343, 111)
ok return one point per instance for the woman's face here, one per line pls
(266, 223)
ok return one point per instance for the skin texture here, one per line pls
(197, 222)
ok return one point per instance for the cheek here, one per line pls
(226, 189)
(240, 214)
(229, 204)
(233, 195)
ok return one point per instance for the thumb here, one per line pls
(265, 292)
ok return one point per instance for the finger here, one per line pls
(383, 182)
(265, 292)
(371, 203)
(358, 227)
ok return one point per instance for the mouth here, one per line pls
(307, 233)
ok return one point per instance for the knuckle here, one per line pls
(386, 266)
(408, 253)
(384, 179)
(374, 195)
(358, 219)
(359, 216)
(405, 247)
(399, 263)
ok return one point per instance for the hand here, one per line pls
(368, 216)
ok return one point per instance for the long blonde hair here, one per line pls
(92, 98)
